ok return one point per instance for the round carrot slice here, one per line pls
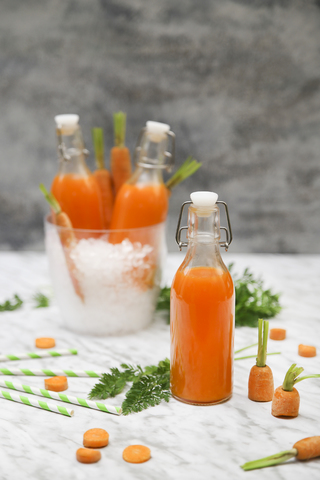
(136, 454)
(277, 333)
(45, 342)
(307, 351)
(56, 384)
(95, 438)
(85, 455)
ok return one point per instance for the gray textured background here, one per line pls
(237, 80)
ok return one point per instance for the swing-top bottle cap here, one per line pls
(67, 123)
(204, 199)
(157, 131)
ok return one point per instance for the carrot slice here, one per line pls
(136, 454)
(56, 384)
(277, 333)
(45, 342)
(95, 438)
(307, 351)
(260, 385)
(85, 455)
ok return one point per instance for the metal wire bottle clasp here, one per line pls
(168, 155)
(226, 243)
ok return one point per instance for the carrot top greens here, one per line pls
(263, 329)
(292, 375)
(98, 145)
(119, 128)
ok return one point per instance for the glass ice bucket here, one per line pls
(106, 282)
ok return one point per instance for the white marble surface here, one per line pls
(186, 442)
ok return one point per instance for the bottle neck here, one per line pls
(151, 151)
(144, 176)
(71, 151)
(203, 238)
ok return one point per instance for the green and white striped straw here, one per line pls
(61, 396)
(48, 353)
(32, 402)
(46, 372)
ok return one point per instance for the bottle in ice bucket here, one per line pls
(74, 186)
(202, 308)
(143, 200)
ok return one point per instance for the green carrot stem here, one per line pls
(263, 329)
(245, 348)
(291, 377)
(119, 127)
(53, 202)
(188, 168)
(253, 356)
(272, 460)
(98, 145)
(316, 375)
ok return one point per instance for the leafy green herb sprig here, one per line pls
(252, 300)
(9, 306)
(149, 386)
(42, 301)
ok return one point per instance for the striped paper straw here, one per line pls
(50, 373)
(61, 396)
(48, 353)
(32, 402)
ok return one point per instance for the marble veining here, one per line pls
(186, 442)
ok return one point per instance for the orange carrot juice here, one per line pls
(202, 328)
(80, 198)
(140, 205)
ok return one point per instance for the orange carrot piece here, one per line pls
(104, 182)
(277, 333)
(120, 164)
(308, 448)
(260, 385)
(95, 438)
(307, 351)
(56, 384)
(45, 342)
(285, 403)
(86, 455)
(136, 454)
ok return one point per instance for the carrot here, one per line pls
(260, 384)
(277, 334)
(120, 162)
(45, 342)
(56, 384)
(286, 398)
(103, 177)
(66, 235)
(307, 351)
(86, 455)
(303, 450)
(136, 454)
(95, 438)
(188, 168)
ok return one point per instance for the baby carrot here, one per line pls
(303, 450)
(136, 454)
(277, 334)
(260, 384)
(66, 235)
(120, 162)
(307, 351)
(103, 177)
(56, 384)
(286, 398)
(86, 455)
(45, 342)
(95, 438)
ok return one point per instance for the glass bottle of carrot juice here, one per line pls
(144, 199)
(74, 186)
(202, 308)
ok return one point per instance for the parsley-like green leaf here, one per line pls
(163, 303)
(42, 301)
(149, 385)
(9, 306)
